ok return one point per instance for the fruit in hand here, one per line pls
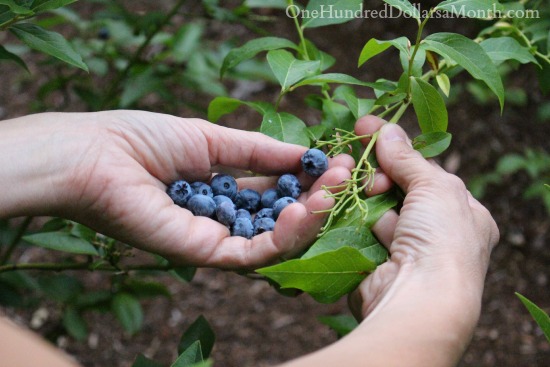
(224, 184)
(242, 227)
(201, 205)
(288, 185)
(248, 199)
(180, 192)
(314, 162)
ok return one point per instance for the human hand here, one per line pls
(109, 171)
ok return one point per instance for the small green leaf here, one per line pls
(45, 5)
(285, 127)
(358, 106)
(288, 70)
(75, 324)
(251, 49)
(142, 361)
(6, 55)
(221, 106)
(16, 8)
(341, 79)
(406, 7)
(61, 241)
(144, 289)
(375, 47)
(316, 132)
(432, 144)
(190, 356)
(482, 9)
(541, 317)
(139, 85)
(60, 288)
(81, 231)
(502, 49)
(444, 83)
(185, 273)
(326, 277)
(511, 163)
(429, 106)
(273, 4)
(328, 12)
(342, 324)
(200, 330)
(470, 55)
(49, 42)
(356, 237)
(127, 310)
(377, 205)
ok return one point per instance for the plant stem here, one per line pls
(299, 29)
(82, 266)
(13, 243)
(111, 91)
(395, 119)
(418, 40)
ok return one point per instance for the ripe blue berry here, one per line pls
(218, 199)
(223, 184)
(280, 205)
(288, 185)
(226, 213)
(201, 205)
(248, 199)
(202, 188)
(269, 197)
(263, 225)
(103, 34)
(264, 213)
(242, 227)
(243, 213)
(314, 162)
(180, 192)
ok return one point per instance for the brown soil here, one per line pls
(255, 326)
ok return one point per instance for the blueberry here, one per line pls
(280, 205)
(201, 205)
(248, 199)
(103, 34)
(288, 185)
(264, 213)
(226, 213)
(223, 184)
(202, 188)
(180, 192)
(314, 162)
(218, 199)
(242, 227)
(269, 197)
(243, 213)
(263, 225)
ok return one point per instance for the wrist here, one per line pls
(39, 156)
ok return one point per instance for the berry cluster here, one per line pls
(246, 212)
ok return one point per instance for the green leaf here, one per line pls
(432, 144)
(273, 4)
(444, 83)
(358, 106)
(139, 85)
(470, 56)
(49, 42)
(45, 5)
(184, 273)
(288, 70)
(81, 231)
(61, 241)
(313, 53)
(16, 8)
(144, 289)
(511, 163)
(75, 324)
(285, 127)
(327, 12)
(502, 49)
(127, 310)
(190, 356)
(341, 79)
(482, 9)
(187, 41)
(342, 324)
(6, 55)
(200, 330)
(60, 288)
(326, 277)
(142, 361)
(406, 7)
(359, 237)
(541, 317)
(316, 132)
(251, 49)
(429, 106)
(221, 106)
(375, 47)
(377, 206)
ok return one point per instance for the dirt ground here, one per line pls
(255, 326)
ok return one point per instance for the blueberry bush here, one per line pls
(120, 59)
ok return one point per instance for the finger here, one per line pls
(368, 125)
(332, 178)
(381, 184)
(400, 161)
(384, 228)
(250, 150)
(341, 160)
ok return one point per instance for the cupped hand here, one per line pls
(441, 229)
(129, 157)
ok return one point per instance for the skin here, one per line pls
(109, 171)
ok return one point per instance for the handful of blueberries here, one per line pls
(246, 213)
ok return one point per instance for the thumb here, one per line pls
(397, 158)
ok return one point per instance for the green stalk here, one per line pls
(13, 243)
(299, 29)
(418, 40)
